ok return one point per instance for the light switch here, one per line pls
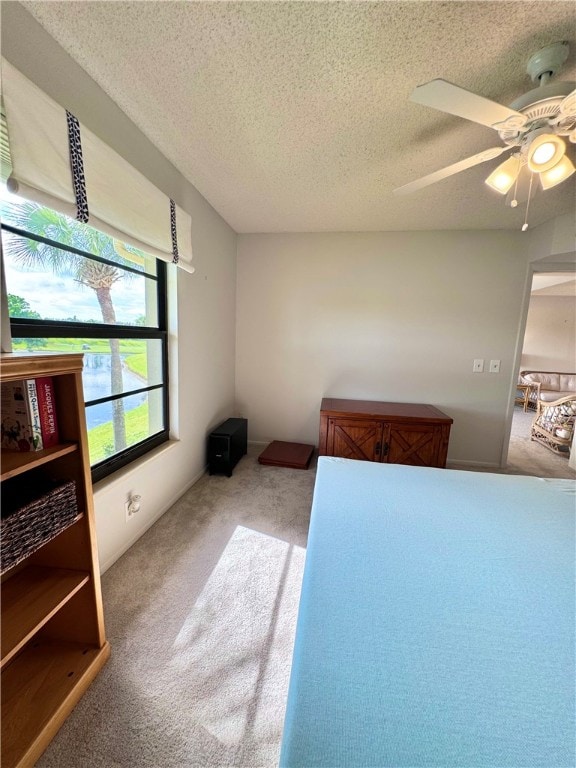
(478, 366)
(494, 366)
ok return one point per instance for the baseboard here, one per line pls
(487, 464)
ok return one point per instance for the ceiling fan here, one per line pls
(531, 128)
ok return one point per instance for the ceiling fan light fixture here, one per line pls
(545, 151)
(502, 177)
(558, 173)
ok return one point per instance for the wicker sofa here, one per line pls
(548, 386)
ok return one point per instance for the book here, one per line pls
(47, 408)
(20, 429)
(31, 394)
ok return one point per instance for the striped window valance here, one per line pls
(58, 162)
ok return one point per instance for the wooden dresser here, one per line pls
(397, 433)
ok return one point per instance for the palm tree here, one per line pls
(97, 276)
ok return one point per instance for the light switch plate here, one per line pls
(494, 366)
(478, 366)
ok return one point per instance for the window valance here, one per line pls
(58, 162)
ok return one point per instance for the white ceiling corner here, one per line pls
(294, 116)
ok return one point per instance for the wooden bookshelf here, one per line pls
(53, 641)
(30, 599)
(39, 690)
(14, 464)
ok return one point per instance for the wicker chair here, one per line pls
(553, 425)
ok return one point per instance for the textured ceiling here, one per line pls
(294, 116)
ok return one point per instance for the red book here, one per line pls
(47, 408)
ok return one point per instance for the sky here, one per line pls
(59, 297)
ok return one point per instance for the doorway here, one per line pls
(549, 344)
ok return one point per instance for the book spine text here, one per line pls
(47, 407)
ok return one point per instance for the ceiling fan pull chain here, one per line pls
(525, 225)
(514, 201)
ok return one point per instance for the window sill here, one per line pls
(123, 472)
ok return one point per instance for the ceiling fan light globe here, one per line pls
(557, 174)
(502, 183)
(503, 177)
(545, 151)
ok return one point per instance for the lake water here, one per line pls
(97, 383)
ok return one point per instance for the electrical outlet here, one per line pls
(478, 366)
(132, 506)
(494, 366)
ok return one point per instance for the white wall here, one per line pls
(550, 338)
(383, 316)
(202, 305)
(553, 241)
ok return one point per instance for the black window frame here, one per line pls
(23, 328)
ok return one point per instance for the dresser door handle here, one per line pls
(385, 448)
(377, 448)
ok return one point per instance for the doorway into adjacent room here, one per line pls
(550, 346)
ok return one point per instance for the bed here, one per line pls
(436, 621)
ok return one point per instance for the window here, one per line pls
(72, 288)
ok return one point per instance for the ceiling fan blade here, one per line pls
(450, 170)
(447, 97)
(568, 105)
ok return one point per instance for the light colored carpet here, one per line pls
(527, 457)
(201, 614)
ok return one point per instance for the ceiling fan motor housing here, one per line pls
(547, 61)
(541, 106)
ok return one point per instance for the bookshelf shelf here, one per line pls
(30, 599)
(53, 638)
(14, 463)
(39, 689)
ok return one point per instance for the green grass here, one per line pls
(101, 438)
(136, 359)
(95, 346)
(138, 364)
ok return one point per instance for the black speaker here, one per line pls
(226, 446)
(219, 449)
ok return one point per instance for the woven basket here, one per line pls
(38, 516)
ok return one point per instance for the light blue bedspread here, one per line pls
(436, 624)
